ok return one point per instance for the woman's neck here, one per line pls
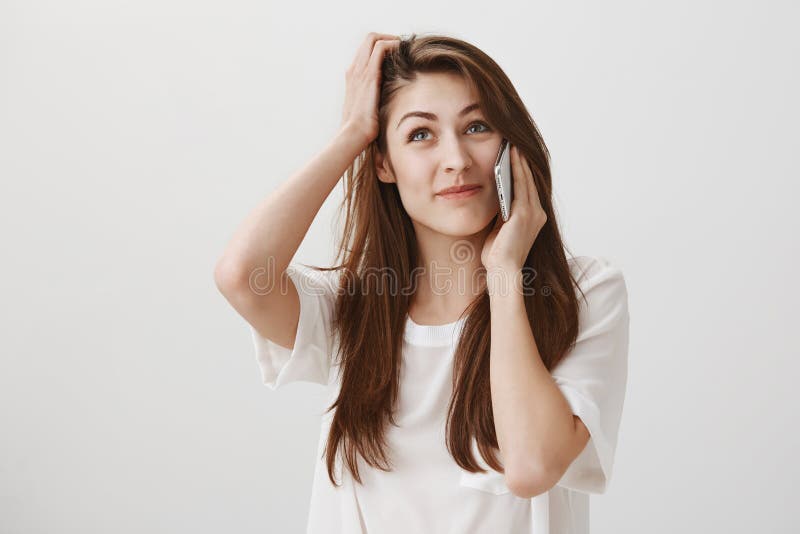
(449, 278)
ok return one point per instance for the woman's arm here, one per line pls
(537, 433)
(262, 247)
(265, 243)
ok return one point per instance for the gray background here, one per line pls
(135, 136)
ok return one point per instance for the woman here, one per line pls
(472, 389)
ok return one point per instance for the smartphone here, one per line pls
(503, 179)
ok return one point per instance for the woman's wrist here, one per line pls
(352, 138)
(503, 280)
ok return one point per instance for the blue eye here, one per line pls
(481, 124)
(412, 136)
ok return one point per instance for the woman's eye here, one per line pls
(413, 135)
(480, 124)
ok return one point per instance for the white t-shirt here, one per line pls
(427, 492)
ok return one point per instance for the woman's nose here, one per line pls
(455, 157)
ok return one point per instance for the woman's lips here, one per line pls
(461, 194)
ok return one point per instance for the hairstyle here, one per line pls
(378, 236)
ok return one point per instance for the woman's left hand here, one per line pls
(509, 243)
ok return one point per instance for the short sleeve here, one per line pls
(310, 360)
(593, 375)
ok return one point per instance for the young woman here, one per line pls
(472, 389)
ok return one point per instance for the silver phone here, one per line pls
(503, 179)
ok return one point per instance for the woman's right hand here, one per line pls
(363, 79)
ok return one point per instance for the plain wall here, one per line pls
(135, 136)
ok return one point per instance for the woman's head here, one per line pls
(437, 136)
(424, 153)
(390, 197)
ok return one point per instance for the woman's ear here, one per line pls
(383, 169)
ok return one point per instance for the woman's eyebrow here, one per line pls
(430, 116)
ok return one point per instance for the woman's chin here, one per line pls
(465, 228)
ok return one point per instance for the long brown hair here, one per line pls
(378, 237)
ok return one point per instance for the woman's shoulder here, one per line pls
(316, 278)
(599, 276)
(593, 265)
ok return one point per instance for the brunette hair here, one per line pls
(378, 236)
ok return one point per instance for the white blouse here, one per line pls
(427, 491)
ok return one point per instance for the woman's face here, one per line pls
(429, 154)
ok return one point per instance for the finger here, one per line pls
(537, 211)
(521, 199)
(534, 191)
(378, 53)
(530, 183)
(365, 50)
